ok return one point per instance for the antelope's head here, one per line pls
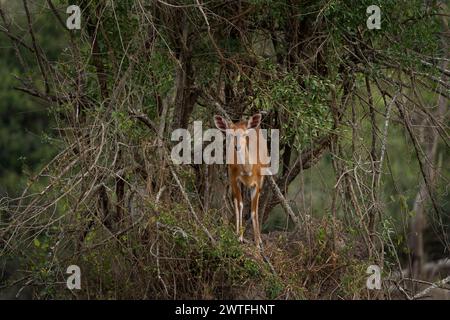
(240, 135)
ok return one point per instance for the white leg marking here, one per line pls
(236, 212)
(241, 231)
(253, 192)
(255, 222)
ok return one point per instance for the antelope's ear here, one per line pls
(220, 123)
(254, 121)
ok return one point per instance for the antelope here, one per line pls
(245, 167)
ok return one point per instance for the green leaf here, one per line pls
(36, 242)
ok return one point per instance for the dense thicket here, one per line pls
(363, 123)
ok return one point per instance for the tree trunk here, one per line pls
(430, 138)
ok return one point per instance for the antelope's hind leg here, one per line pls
(254, 214)
(238, 207)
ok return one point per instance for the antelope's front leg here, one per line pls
(238, 207)
(255, 218)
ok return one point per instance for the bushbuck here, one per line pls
(246, 148)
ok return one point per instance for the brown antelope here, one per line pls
(245, 168)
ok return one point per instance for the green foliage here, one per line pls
(406, 26)
(304, 100)
(274, 287)
(353, 281)
(26, 137)
(297, 80)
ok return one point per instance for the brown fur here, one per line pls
(248, 175)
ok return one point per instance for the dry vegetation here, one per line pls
(112, 201)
